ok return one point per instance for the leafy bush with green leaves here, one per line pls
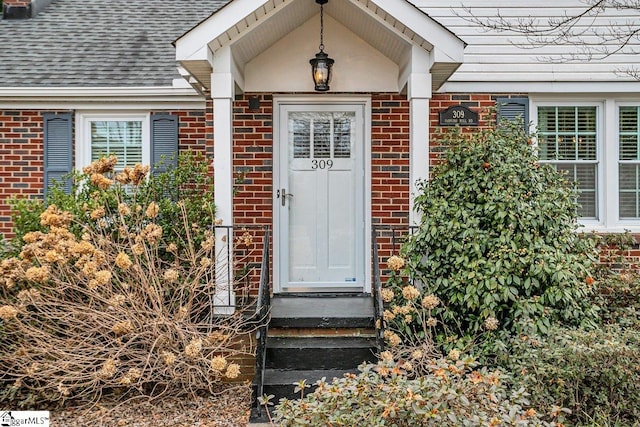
(497, 240)
(454, 393)
(594, 373)
(190, 182)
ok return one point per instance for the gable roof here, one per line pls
(108, 43)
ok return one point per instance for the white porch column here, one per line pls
(419, 94)
(222, 92)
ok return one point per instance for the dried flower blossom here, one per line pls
(491, 323)
(137, 249)
(217, 337)
(386, 356)
(123, 261)
(117, 300)
(168, 358)
(218, 363)
(246, 239)
(152, 233)
(393, 338)
(410, 292)
(171, 275)
(102, 165)
(388, 316)
(124, 210)
(218, 221)
(454, 355)
(430, 302)
(53, 257)
(108, 370)
(101, 181)
(193, 349)
(205, 262)
(37, 274)
(98, 213)
(122, 328)
(103, 277)
(54, 217)
(416, 354)
(395, 263)
(88, 267)
(28, 294)
(408, 318)
(152, 210)
(387, 295)
(172, 248)
(431, 322)
(233, 370)
(8, 312)
(133, 175)
(131, 376)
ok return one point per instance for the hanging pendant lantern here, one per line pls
(321, 64)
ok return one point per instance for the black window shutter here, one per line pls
(58, 150)
(514, 108)
(164, 142)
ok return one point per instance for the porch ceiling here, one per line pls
(250, 34)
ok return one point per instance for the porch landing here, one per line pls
(322, 311)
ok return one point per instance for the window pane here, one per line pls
(301, 138)
(342, 138)
(120, 138)
(322, 139)
(629, 164)
(568, 140)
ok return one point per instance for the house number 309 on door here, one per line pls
(321, 164)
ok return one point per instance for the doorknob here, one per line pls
(284, 195)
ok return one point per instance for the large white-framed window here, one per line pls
(125, 135)
(597, 142)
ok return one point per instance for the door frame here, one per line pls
(311, 101)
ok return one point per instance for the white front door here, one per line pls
(320, 199)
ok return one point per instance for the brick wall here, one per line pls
(21, 165)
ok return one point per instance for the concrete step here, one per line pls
(319, 352)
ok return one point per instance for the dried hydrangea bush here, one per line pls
(116, 305)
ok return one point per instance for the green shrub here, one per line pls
(594, 373)
(452, 394)
(497, 243)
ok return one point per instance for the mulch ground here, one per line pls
(229, 408)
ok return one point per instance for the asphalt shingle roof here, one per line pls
(103, 43)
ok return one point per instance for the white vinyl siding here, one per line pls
(493, 56)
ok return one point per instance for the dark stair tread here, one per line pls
(320, 342)
(290, 377)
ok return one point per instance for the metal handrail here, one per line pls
(378, 304)
(263, 308)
